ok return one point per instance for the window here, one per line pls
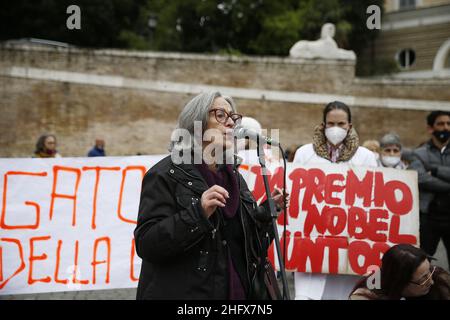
(406, 58)
(407, 4)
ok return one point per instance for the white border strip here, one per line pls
(415, 22)
(243, 93)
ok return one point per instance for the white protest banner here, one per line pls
(341, 219)
(67, 223)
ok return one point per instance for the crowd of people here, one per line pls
(336, 141)
(201, 217)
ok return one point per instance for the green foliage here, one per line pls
(378, 67)
(282, 28)
(102, 22)
(130, 39)
(261, 27)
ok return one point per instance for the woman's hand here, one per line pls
(214, 197)
(279, 199)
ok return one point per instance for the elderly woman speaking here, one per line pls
(200, 233)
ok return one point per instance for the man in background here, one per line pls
(98, 150)
(432, 162)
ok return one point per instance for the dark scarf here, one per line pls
(225, 177)
(45, 154)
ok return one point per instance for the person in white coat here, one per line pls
(334, 141)
(247, 149)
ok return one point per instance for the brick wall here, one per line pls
(245, 72)
(134, 120)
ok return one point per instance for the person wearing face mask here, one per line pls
(391, 151)
(334, 141)
(405, 273)
(432, 162)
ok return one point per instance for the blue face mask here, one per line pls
(442, 136)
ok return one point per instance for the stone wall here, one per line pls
(243, 72)
(281, 93)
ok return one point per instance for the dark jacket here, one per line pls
(433, 167)
(184, 254)
(96, 152)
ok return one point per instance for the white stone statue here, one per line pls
(441, 57)
(323, 48)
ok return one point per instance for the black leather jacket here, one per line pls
(185, 254)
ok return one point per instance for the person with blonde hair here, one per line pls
(374, 146)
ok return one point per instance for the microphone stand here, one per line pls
(274, 216)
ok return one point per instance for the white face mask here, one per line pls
(335, 135)
(389, 161)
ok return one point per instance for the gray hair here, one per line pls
(196, 110)
(390, 139)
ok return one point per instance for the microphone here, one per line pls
(241, 133)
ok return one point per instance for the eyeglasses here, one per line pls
(432, 269)
(222, 116)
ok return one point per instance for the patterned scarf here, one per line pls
(346, 151)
